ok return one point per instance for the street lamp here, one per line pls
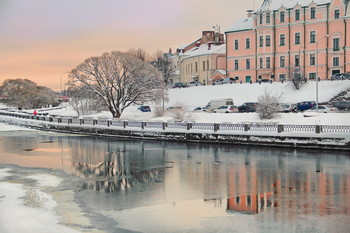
(317, 71)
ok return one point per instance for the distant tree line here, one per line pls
(23, 93)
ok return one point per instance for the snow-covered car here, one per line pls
(195, 83)
(218, 82)
(287, 107)
(200, 109)
(228, 80)
(342, 105)
(322, 109)
(226, 109)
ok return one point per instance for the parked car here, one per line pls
(215, 103)
(340, 76)
(144, 108)
(305, 105)
(226, 109)
(179, 85)
(322, 109)
(173, 108)
(195, 83)
(248, 107)
(342, 105)
(200, 109)
(287, 107)
(228, 80)
(218, 82)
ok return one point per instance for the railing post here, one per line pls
(81, 121)
(164, 125)
(246, 127)
(59, 120)
(125, 123)
(280, 128)
(109, 122)
(318, 128)
(50, 119)
(94, 121)
(189, 126)
(143, 124)
(216, 127)
(70, 121)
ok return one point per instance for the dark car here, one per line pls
(342, 105)
(305, 105)
(247, 107)
(144, 108)
(179, 85)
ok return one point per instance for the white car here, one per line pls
(226, 109)
(200, 109)
(195, 83)
(322, 109)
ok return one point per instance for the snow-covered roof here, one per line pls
(241, 25)
(276, 4)
(223, 72)
(204, 50)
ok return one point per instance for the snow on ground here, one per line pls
(199, 96)
(5, 127)
(25, 209)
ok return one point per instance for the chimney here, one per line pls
(250, 13)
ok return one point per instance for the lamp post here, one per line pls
(317, 70)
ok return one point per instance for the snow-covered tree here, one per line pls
(267, 107)
(119, 79)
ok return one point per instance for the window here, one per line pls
(312, 37)
(312, 13)
(282, 17)
(282, 39)
(297, 60)
(312, 60)
(282, 77)
(336, 44)
(268, 41)
(236, 44)
(247, 43)
(268, 17)
(247, 64)
(312, 76)
(261, 18)
(203, 65)
(261, 44)
(268, 65)
(208, 65)
(336, 14)
(297, 38)
(297, 14)
(335, 61)
(261, 63)
(196, 66)
(236, 65)
(282, 61)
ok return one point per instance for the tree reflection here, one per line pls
(116, 173)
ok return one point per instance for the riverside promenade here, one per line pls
(329, 137)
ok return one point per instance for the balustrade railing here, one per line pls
(186, 126)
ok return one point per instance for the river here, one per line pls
(92, 184)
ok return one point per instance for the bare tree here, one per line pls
(163, 63)
(297, 78)
(119, 79)
(267, 107)
(24, 93)
(139, 53)
(84, 101)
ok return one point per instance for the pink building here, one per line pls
(284, 38)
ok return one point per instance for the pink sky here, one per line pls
(42, 40)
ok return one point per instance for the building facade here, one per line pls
(287, 38)
(201, 60)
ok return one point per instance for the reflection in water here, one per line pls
(132, 181)
(115, 174)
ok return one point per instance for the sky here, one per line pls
(42, 40)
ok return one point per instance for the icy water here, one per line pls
(52, 182)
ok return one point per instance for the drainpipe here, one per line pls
(344, 48)
(327, 46)
(304, 41)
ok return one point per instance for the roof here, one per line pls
(276, 4)
(241, 25)
(203, 50)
